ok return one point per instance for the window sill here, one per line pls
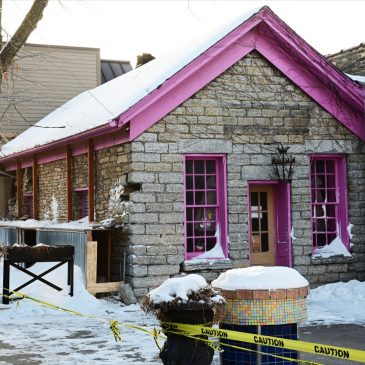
(207, 264)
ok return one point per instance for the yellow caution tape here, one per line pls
(313, 348)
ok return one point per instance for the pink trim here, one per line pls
(266, 37)
(341, 201)
(284, 217)
(221, 203)
(77, 150)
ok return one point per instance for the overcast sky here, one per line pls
(122, 29)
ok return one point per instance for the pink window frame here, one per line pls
(341, 193)
(221, 196)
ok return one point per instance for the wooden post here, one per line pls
(91, 261)
(91, 179)
(35, 188)
(19, 188)
(69, 181)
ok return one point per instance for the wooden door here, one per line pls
(262, 228)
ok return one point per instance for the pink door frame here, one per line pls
(283, 214)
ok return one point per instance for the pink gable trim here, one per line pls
(267, 34)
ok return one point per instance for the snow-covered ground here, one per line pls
(37, 335)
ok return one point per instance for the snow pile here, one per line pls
(337, 303)
(215, 253)
(96, 107)
(335, 248)
(177, 288)
(260, 277)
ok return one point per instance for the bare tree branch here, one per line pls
(29, 23)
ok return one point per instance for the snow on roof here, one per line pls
(260, 277)
(80, 225)
(175, 288)
(357, 78)
(98, 106)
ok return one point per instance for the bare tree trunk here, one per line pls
(29, 23)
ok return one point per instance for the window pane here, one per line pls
(319, 166)
(189, 182)
(255, 225)
(198, 214)
(210, 167)
(198, 167)
(264, 222)
(320, 181)
(321, 225)
(189, 166)
(330, 166)
(211, 183)
(190, 245)
(189, 198)
(321, 195)
(263, 200)
(331, 211)
(211, 242)
(264, 242)
(199, 198)
(254, 199)
(331, 196)
(199, 245)
(211, 195)
(210, 214)
(199, 182)
(189, 214)
(321, 240)
(189, 230)
(331, 225)
(331, 181)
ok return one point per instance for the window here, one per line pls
(328, 200)
(80, 203)
(205, 206)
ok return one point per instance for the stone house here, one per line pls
(247, 149)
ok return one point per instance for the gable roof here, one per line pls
(143, 96)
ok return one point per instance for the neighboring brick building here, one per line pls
(201, 142)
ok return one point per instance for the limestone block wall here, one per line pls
(79, 171)
(110, 164)
(242, 114)
(351, 61)
(52, 182)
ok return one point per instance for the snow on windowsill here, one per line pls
(335, 248)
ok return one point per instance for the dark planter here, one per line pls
(181, 350)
